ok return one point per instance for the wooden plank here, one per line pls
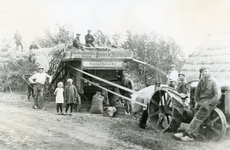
(127, 98)
(106, 81)
(227, 102)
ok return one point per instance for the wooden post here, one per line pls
(227, 102)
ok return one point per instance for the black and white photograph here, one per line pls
(114, 74)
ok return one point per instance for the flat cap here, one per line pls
(41, 67)
(78, 34)
(181, 73)
(203, 67)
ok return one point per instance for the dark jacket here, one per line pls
(128, 83)
(208, 89)
(33, 46)
(89, 39)
(70, 94)
(181, 87)
(77, 43)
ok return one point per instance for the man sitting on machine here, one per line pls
(207, 95)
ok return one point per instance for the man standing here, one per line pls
(32, 58)
(207, 95)
(172, 76)
(89, 39)
(77, 43)
(31, 88)
(39, 80)
(18, 40)
(181, 84)
(128, 83)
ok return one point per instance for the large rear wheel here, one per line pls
(215, 126)
(160, 110)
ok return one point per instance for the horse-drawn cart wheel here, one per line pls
(160, 110)
(215, 126)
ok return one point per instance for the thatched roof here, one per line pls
(214, 51)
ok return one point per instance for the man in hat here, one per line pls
(89, 39)
(31, 88)
(18, 40)
(172, 76)
(39, 80)
(181, 84)
(207, 95)
(77, 43)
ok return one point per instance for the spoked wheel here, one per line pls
(160, 110)
(215, 126)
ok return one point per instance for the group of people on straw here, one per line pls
(69, 94)
(89, 41)
(207, 95)
(18, 41)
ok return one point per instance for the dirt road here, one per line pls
(22, 127)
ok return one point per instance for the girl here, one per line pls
(70, 95)
(59, 97)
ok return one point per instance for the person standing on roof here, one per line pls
(206, 96)
(172, 76)
(18, 40)
(77, 43)
(89, 39)
(39, 80)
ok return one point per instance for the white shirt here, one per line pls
(39, 78)
(173, 76)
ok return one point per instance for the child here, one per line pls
(59, 97)
(70, 95)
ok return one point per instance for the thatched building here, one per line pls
(214, 51)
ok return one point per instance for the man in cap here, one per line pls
(181, 84)
(39, 80)
(77, 43)
(128, 83)
(207, 95)
(18, 40)
(89, 39)
(31, 88)
(172, 76)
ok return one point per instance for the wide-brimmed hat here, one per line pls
(78, 34)
(203, 67)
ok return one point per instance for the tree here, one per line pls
(155, 50)
(63, 35)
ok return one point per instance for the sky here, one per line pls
(187, 21)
